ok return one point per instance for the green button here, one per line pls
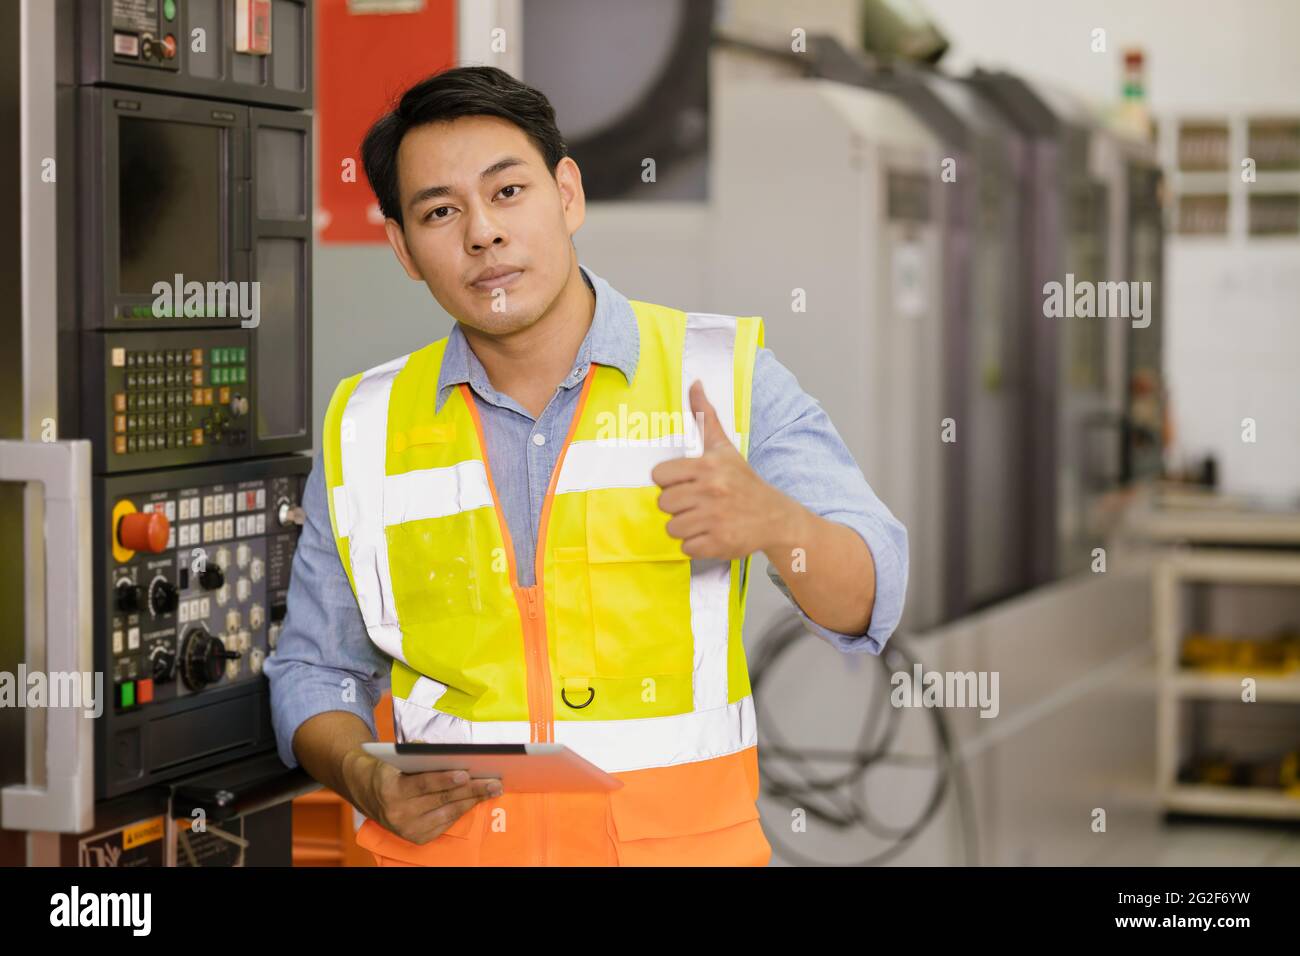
(169, 9)
(242, 350)
(128, 694)
(223, 376)
(239, 376)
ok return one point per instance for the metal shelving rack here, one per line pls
(1175, 569)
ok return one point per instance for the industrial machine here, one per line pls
(1096, 409)
(853, 297)
(983, 360)
(954, 467)
(160, 284)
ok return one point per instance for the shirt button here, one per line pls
(539, 439)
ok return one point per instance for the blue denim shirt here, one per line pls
(324, 659)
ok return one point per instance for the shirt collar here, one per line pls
(613, 339)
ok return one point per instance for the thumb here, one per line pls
(712, 434)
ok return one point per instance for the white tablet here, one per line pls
(521, 768)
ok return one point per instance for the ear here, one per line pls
(397, 239)
(573, 199)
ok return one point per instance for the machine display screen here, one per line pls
(169, 203)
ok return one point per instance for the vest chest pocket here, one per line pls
(640, 587)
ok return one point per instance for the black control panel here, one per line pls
(192, 587)
(253, 51)
(175, 398)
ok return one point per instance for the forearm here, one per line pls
(826, 565)
(325, 743)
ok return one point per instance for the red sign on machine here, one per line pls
(367, 54)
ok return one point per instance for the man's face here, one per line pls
(476, 195)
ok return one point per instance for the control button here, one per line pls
(169, 47)
(119, 445)
(223, 595)
(144, 690)
(133, 639)
(289, 514)
(129, 597)
(223, 557)
(118, 358)
(256, 616)
(212, 577)
(232, 621)
(242, 555)
(143, 531)
(162, 664)
(256, 569)
(243, 589)
(255, 660)
(203, 659)
(119, 401)
(169, 10)
(117, 642)
(163, 597)
(126, 693)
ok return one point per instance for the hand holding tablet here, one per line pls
(521, 768)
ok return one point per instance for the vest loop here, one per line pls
(591, 695)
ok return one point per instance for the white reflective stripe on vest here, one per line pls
(436, 492)
(613, 745)
(363, 445)
(708, 354)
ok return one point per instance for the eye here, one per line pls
(512, 186)
(430, 214)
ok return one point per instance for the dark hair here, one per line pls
(461, 91)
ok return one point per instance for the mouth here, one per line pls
(503, 281)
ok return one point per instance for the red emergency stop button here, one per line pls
(144, 691)
(143, 531)
(169, 46)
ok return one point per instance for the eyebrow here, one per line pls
(434, 192)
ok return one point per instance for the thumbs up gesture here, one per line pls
(720, 507)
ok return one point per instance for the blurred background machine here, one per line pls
(1096, 404)
(162, 296)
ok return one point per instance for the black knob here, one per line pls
(163, 597)
(129, 597)
(203, 659)
(163, 664)
(211, 577)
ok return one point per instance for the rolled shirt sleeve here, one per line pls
(795, 448)
(324, 660)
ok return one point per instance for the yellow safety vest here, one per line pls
(625, 649)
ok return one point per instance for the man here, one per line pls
(541, 525)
